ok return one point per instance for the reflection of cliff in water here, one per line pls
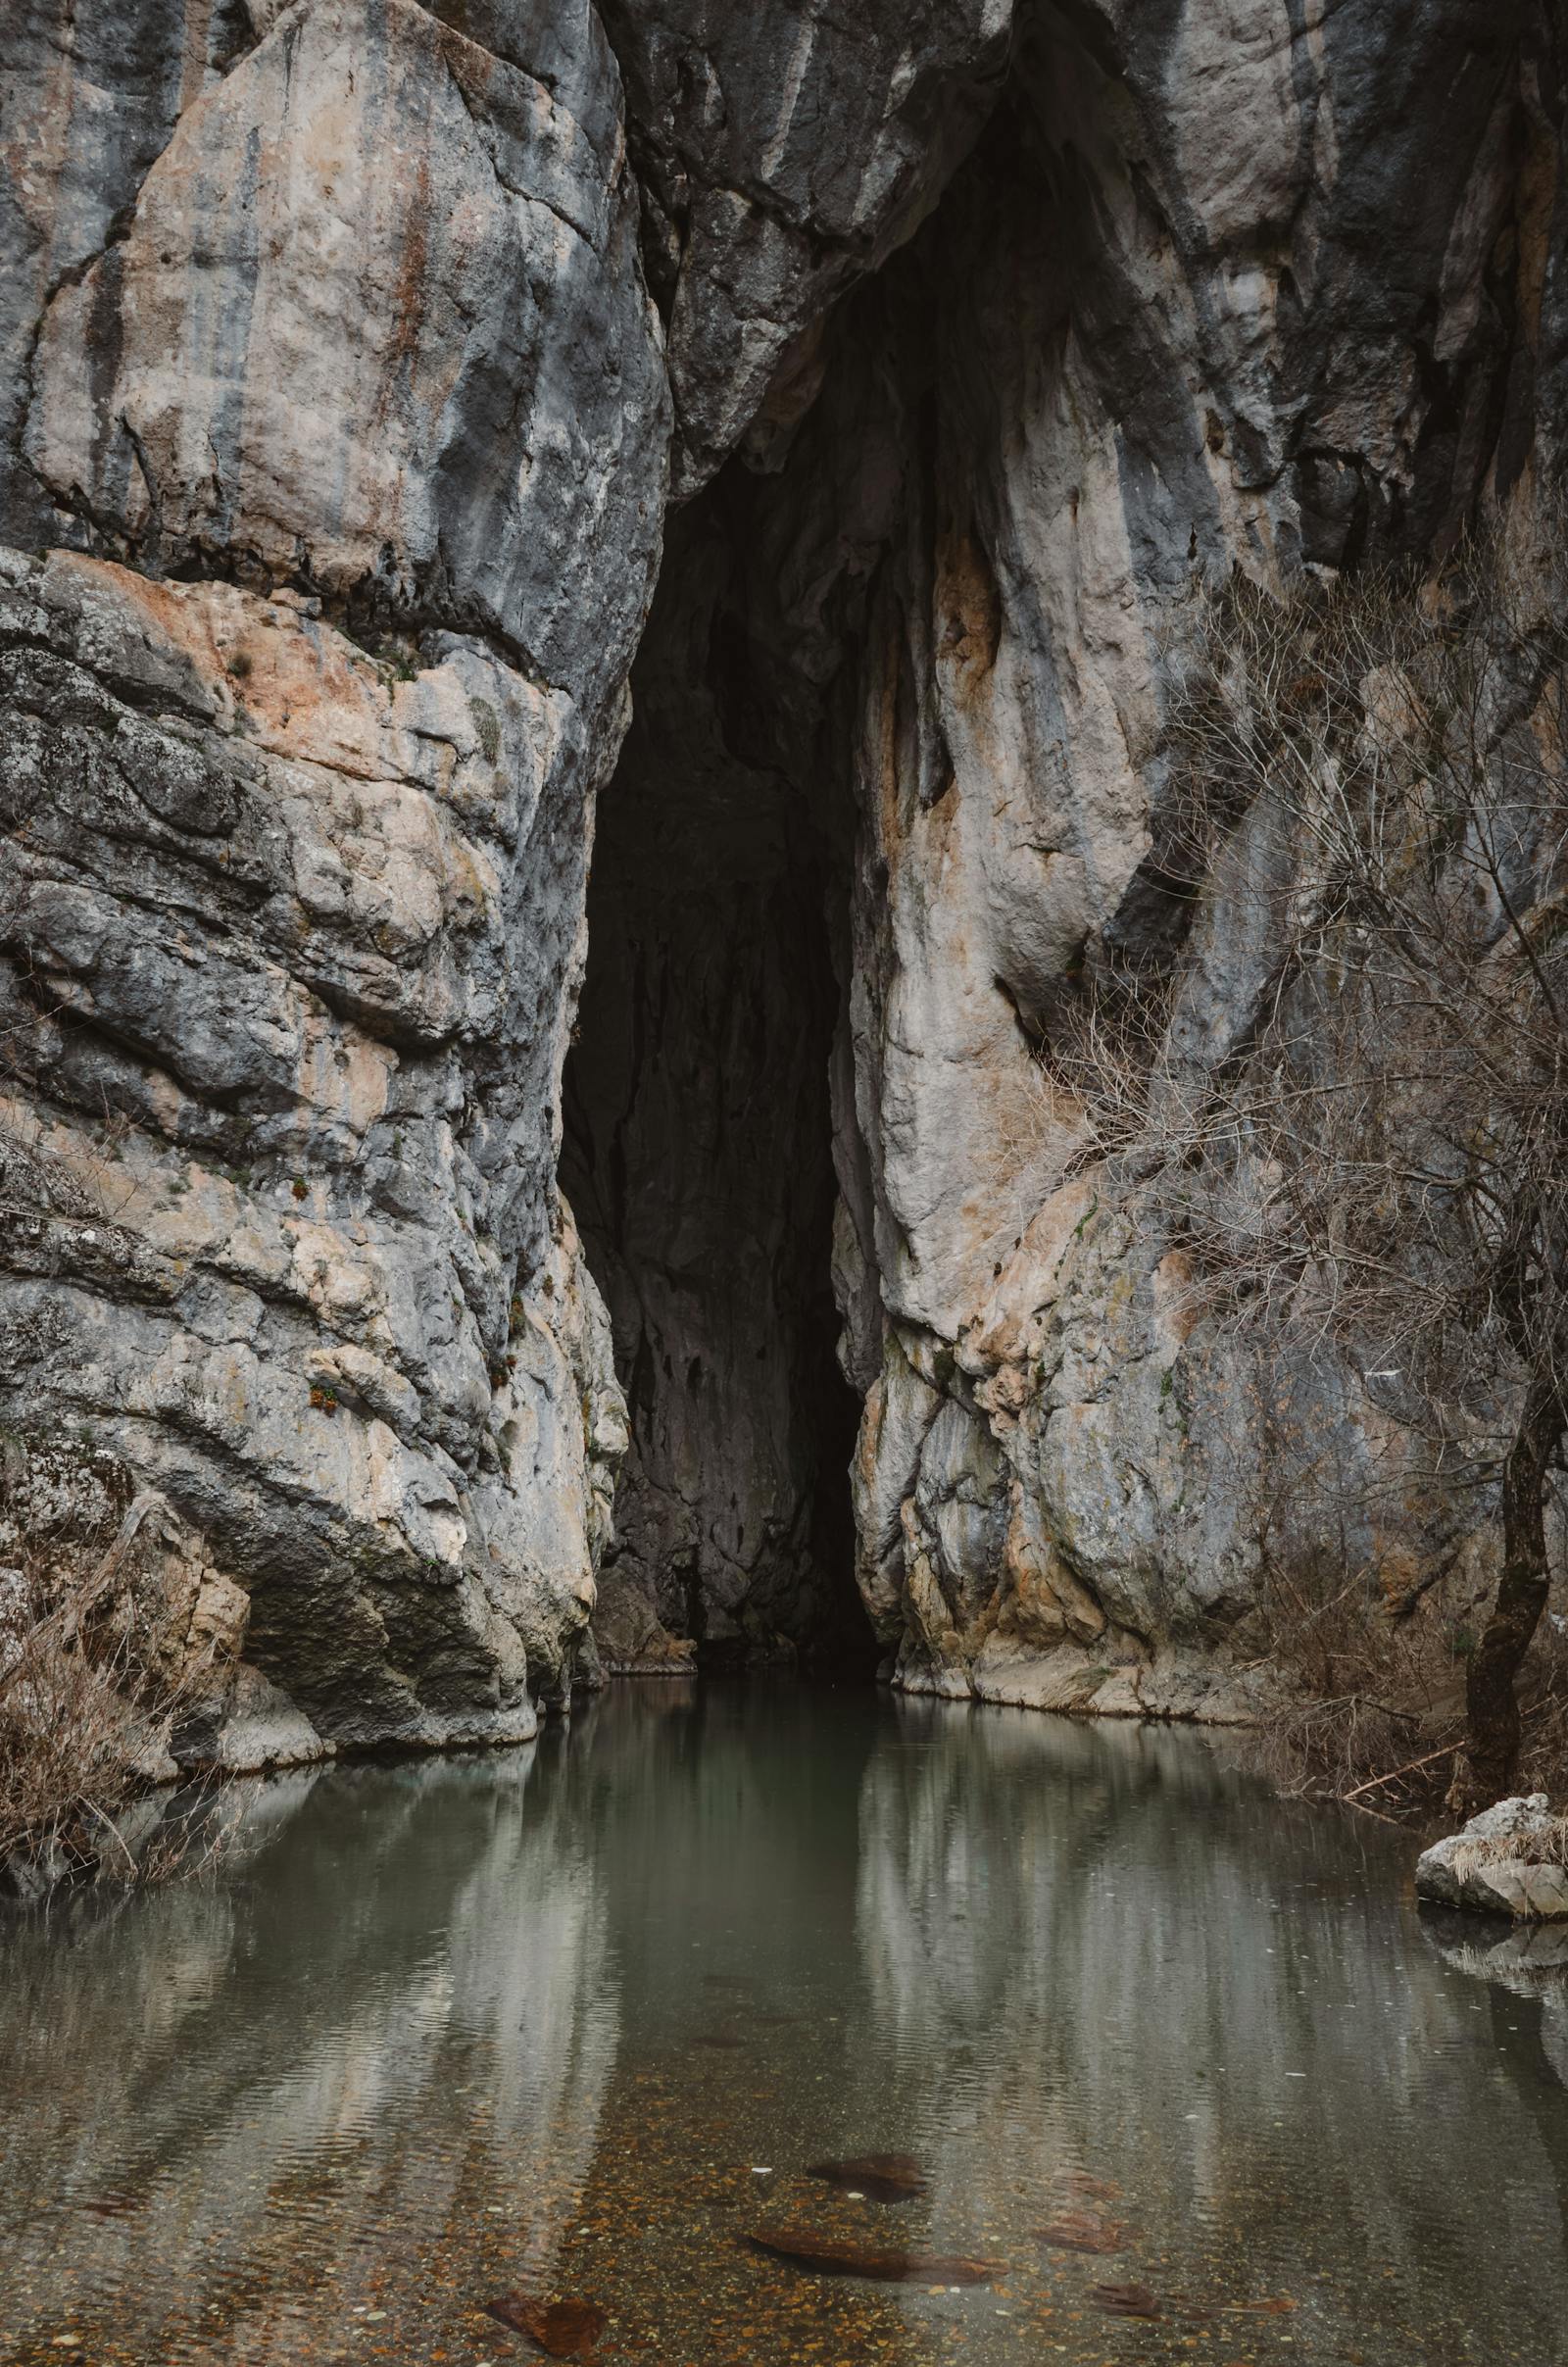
(733, 1805)
(582, 2022)
(1521, 1971)
(1096, 1951)
(393, 2019)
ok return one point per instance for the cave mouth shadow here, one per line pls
(698, 1151)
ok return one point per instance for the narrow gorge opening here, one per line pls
(697, 1156)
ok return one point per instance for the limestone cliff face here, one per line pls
(344, 373)
(351, 353)
(1283, 292)
(784, 150)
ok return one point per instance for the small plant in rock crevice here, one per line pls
(1547, 1845)
(487, 727)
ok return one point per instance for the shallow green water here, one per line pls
(574, 2021)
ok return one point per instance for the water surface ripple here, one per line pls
(1179, 2070)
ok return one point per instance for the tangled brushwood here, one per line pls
(1368, 816)
(88, 1701)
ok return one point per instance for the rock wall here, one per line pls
(1234, 323)
(343, 407)
(350, 352)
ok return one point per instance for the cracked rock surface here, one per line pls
(352, 354)
(338, 405)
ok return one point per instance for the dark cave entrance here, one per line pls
(697, 1156)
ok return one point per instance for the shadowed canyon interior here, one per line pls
(698, 1155)
(785, 457)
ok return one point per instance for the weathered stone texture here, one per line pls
(1507, 1861)
(88, 98)
(375, 322)
(1164, 327)
(293, 924)
(289, 946)
(357, 317)
(785, 149)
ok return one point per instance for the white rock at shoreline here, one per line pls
(1461, 1870)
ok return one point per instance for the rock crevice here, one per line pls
(350, 352)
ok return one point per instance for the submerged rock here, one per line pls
(562, 2329)
(1128, 2301)
(1083, 2232)
(878, 2177)
(832, 2257)
(1142, 2302)
(1498, 1864)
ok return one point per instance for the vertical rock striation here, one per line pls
(348, 405)
(1228, 324)
(348, 353)
(783, 152)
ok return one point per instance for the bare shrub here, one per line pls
(1547, 1847)
(85, 1711)
(1363, 1688)
(1373, 1703)
(1351, 1075)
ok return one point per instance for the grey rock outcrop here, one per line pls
(426, 391)
(351, 318)
(87, 104)
(349, 353)
(1185, 355)
(784, 151)
(1498, 1866)
(275, 919)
